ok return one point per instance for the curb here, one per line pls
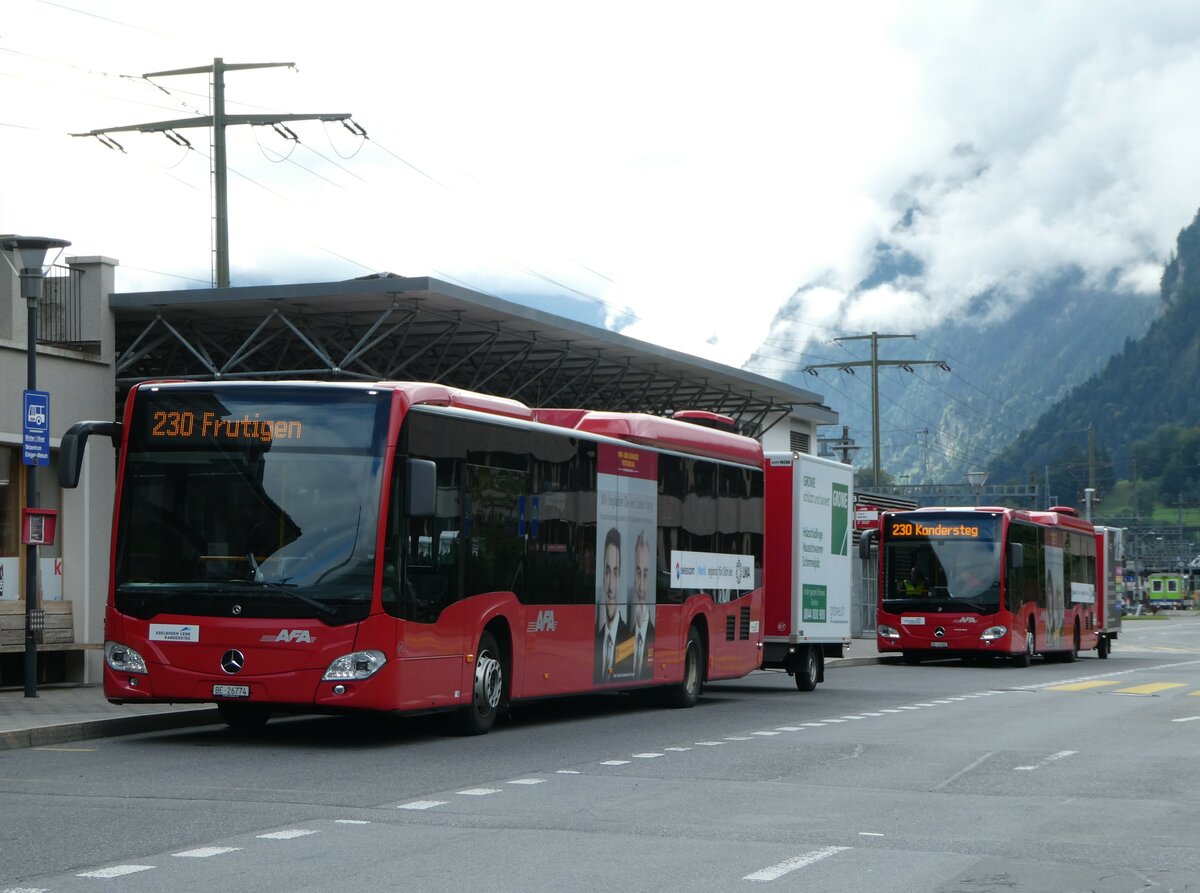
(101, 728)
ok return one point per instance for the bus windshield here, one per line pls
(935, 562)
(261, 502)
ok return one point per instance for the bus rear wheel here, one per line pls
(487, 689)
(687, 692)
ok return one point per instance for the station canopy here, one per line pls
(391, 328)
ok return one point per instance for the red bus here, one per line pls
(980, 583)
(335, 547)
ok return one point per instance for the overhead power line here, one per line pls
(875, 363)
(218, 121)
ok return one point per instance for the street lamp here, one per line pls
(977, 479)
(32, 252)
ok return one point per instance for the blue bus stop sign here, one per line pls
(36, 442)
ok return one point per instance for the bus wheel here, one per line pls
(809, 670)
(1025, 658)
(243, 716)
(687, 692)
(487, 689)
(1102, 647)
(1073, 655)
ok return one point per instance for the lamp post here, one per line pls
(977, 479)
(32, 252)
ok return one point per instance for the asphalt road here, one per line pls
(942, 777)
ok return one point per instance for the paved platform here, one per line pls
(62, 713)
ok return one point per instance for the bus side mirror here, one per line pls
(70, 453)
(420, 488)
(865, 542)
(1016, 555)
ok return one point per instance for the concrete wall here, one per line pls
(81, 386)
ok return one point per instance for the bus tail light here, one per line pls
(887, 632)
(992, 633)
(356, 665)
(123, 659)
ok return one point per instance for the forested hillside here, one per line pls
(1154, 381)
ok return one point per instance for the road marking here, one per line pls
(65, 750)
(1150, 688)
(853, 717)
(568, 772)
(351, 822)
(646, 756)
(115, 871)
(478, 792)
(613, 762)
(422, 804)
(869, 834)
(833, 720)
(764, 733)
(777, 871)
(962, 772)
(205, 851)
(709, 743)
(1082, 686)
(738, 738)
(1186, 719)
(289, 834)
(1062, 754)
(24, 890)
(527, 781)
(677, 749)
(790, 729)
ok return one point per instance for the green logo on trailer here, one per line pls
(840, 522)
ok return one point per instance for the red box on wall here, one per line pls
(38, 526)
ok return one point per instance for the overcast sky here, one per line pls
(691, 164)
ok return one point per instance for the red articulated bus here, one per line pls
(398, 546)
(980, 583)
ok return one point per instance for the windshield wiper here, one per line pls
(258, 582)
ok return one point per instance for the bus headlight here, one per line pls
(357, 665)
(887, 632)
(123, 659)
(992, 633)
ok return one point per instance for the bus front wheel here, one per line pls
(243, 716)
(1025, 658)
(487, 689)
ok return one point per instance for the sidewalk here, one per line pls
(62, 712)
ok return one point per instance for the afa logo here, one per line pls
(545, 623)
(302, 636)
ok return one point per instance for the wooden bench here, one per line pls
(59, 633)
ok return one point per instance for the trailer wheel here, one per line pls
(1102, 647)
(809, 671)
(487, 689)
(687, 692)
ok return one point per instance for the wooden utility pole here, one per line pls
(218, 121)
(875, 363)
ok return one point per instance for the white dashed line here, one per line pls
(709, 743)
(613, 762)
(479, 792)
(677, 749)
(567, 772)
(289, 834)
(833, 720)
(738, 738)
(764, 733)
(351, 822)
(646, 756)
(205, 851)
(777, 871)
(789, 729)
(1185, 719)
(527, 781)
(115, 871)
(1050, 759)
(422, 804)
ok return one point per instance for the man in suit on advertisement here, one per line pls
(643, 610)
(614, 656)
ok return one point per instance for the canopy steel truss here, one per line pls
(391, 328)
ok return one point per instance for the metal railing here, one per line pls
(60, 310)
